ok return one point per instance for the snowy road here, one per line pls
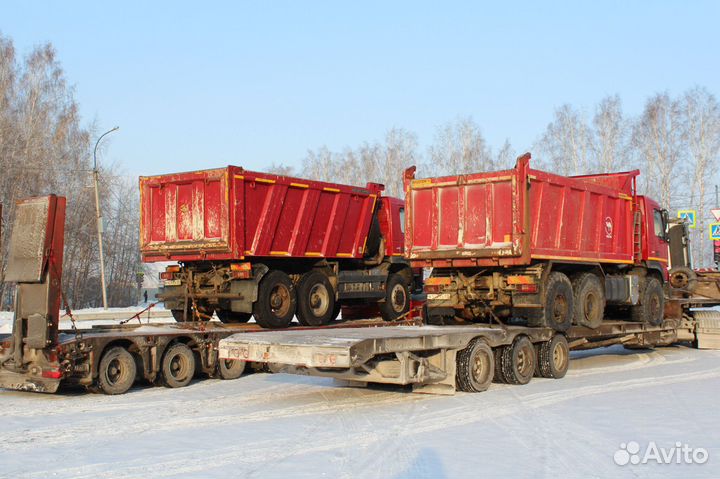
(265, 425)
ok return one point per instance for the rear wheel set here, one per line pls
(478, 365)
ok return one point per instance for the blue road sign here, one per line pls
(689, 216)
(715, 231)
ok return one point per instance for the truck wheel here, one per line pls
(652, 303)
(554, 357)
(397, 298)
(518, 361)
(475, 367)
(316, 299)
(588, 300)
(231, 368)
(682, 277)
(117, 371)
(230, 317)
(557, 311)
(499, 377)
(276, 302)
(178, 366)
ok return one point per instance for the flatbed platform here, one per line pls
(421, 355)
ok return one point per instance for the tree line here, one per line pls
(44, 148)
(673, 141)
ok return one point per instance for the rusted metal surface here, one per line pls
(512, 216)
(28, 360)
(231, 213)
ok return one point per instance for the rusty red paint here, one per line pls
(231, 213)
(512, 216)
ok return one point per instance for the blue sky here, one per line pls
(195, 85)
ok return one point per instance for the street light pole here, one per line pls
(96, 174)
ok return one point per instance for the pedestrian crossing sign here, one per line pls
(715, 231)
(689, 216)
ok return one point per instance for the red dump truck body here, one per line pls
(492, 219)
(232, 214)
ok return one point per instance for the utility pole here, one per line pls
(96, 174)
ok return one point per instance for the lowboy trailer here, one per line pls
(443, 359)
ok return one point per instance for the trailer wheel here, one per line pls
(475, 367)
(557, 311)
(117, 371)
(554, 357)
(518, 361)
(229, 317)
(652, 303)
(178, 366)
(499, 377)
(589, 300)
(231, 368)
(276, 302)
(316, 299)
(397, 298)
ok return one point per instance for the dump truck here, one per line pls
(526, 266)
(537, 247)
(272, 247)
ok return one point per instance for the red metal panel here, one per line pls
(484, 218)
(231, 213)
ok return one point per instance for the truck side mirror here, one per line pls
(666, 225)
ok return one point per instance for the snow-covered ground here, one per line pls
(265, 425)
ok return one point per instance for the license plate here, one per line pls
(172, 282)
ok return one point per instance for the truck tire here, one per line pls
(178, 366)
(316, 299)
(588, 300)
(231, 368)
(276, 302)
(232, 317)
(553, 357)
(475, 367)
(652, 303)
(518, 361)
(557, 310)
(499, 377)
(397, 298)
(117, 371)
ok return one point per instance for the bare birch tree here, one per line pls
(610, 136)
(459, 147)
(566, 144)
(658, 137)
(701, 132)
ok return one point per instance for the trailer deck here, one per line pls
(423, 356)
